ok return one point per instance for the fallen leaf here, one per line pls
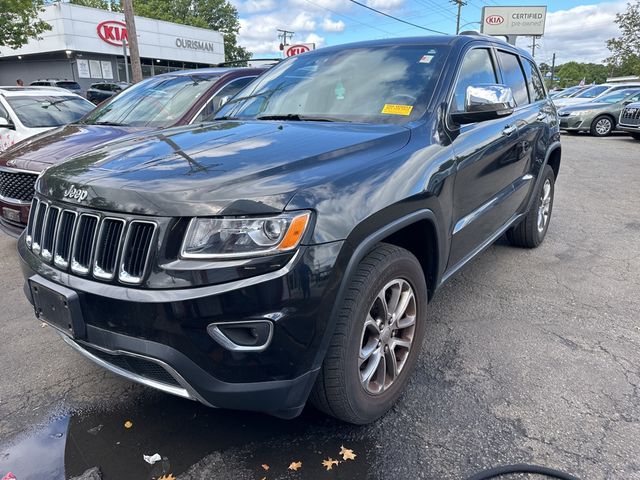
(329, 463)
(263, 478)
(295, 466)
(347, 453)
(42, 325)
(128, 424)
(168, 476)
(265, 467)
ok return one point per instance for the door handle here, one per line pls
(509, 130)
(541, 116)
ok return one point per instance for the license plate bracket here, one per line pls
(58, 307)
(11, 214)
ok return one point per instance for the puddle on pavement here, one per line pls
(184, 432)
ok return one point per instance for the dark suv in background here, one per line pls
(289, 249)
(101, 91)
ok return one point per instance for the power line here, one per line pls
(396, 18)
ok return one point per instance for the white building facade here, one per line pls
(86, 45)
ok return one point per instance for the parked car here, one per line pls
(629, 120)
(177, 98)
(569, 92)
(27, 111)
(593, 93)
(288, 251)
(70, 85)
(598, 117)
(99, 92)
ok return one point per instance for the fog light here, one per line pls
(249, 336)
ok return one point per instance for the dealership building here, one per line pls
(86, 45)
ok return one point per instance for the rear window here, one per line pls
(49, 111)
(68, 85)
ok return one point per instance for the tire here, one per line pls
(602, 126)
(530, 232)
(340, 390)
(636, 136)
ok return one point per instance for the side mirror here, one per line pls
(6, 123)
(485, 102)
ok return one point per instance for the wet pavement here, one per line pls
(529, 356)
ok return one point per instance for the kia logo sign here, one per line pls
(291, 50)
(113, 32)
(494, 20)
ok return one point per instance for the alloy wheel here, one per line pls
(387, 336)
(544, 209)
(603, 126)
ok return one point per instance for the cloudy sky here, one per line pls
(576, 30)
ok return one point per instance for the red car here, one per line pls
(167, 100)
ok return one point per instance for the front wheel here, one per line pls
(602, 126)
(530, 232)
(377, 338)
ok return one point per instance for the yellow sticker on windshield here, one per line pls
(392, 109)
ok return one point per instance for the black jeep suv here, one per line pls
(288, 250)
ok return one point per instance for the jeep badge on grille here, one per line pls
(75, 193)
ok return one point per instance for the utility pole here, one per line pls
(132, 40)
(553, 71)
(534, 45)
(284, 36)
(460, 4)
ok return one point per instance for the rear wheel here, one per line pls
(378, 336)
(530, 232)
(602, 126)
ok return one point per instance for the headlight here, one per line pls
(579, 112)
(236, 237)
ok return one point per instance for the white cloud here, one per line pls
(579, 33)
(303, 22)
(313, 38)
(255, 6)
(329, 25)
(386, 5)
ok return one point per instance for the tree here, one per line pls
(625, 50)
(219, 15)
(572, 73)
(19, 22)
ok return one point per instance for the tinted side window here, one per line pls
(213, 105)
(536, 86)
(514, 77)
(4, 113)
(477, 69)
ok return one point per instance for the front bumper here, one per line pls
(574, 124)
(13, 217)
(159, 337)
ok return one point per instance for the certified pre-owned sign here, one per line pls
(113, 32)
(514, 20)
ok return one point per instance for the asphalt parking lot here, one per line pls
(529, 357)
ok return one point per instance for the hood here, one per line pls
(223, 168)
(587, 106)
(59, 144)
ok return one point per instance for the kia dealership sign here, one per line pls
(298, 48)
(514, 20)
(113, 32)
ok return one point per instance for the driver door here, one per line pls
(485, 154)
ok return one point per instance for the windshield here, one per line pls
(156, 102)
(388, 84)
(618, 95)
(592, 92)
(567, 92)
(49, 111)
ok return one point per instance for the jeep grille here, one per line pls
(17, 186)
(88, 243)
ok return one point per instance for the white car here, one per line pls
(27, 111)
(592, 93)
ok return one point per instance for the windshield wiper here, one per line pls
(298, 117)
(111, 124)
